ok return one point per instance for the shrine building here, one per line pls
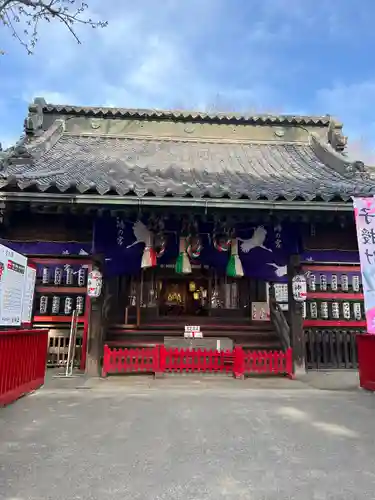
(193, 219)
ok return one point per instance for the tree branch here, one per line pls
(30, 12)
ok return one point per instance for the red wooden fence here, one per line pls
(130, 360)
(366, 361)
(186, 360)
(23, 355)
(162, 360)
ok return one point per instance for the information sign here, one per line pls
(12, 285)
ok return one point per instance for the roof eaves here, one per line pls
(168, 202)
(104, 192)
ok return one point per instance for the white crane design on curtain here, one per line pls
(256, 241)
(143, 235)
(279, 270)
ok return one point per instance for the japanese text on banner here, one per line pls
(364, 212)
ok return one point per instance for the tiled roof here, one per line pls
(261, 119)
(137, 166)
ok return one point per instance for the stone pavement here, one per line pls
(187, 438)
(344, 380)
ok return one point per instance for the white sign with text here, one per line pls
(193, 332)
(12, 285)
(28, 295)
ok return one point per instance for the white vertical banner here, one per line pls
(364, 213)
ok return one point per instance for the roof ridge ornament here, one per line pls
(20, 154)
(335, 136)
(358, 169)
(33, 124)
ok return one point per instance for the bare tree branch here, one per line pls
(22, 18)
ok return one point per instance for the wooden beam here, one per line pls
(296, 319)
(96, 331)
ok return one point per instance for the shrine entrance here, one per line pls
(183, 296)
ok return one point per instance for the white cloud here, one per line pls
(349, 98)
(196, 54)
(140, 56)
(147, 58)
(353, 104)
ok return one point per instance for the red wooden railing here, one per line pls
(130, 360)
(264, 362)
(186, 360)
(366, 361)
(23, 355)
(162, 360)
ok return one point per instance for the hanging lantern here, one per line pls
(234, 267)
(94, 283)
(183, 265)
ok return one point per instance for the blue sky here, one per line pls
(273, 56)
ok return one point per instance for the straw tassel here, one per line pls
(234, 267)
(149, 257)
(183, 265)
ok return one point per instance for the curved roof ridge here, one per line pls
(338, 161)
(176, 114)
(30, 149)
(41, 144)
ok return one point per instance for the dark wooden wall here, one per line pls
(331, 236)
(28, 226)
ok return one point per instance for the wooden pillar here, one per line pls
(209, 291)
(96, 332)
(297, 339)
(139, 297)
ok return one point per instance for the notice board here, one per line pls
(13, 268)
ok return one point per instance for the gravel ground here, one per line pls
(187, 441)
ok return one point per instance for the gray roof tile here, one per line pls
(181, 168)
(158, 114)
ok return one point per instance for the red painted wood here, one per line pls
(160, 360)
(328, 269)
(23, 356)
(333, 323)
(366, 364)
(274, 362)
(57, 319)
(61, 289)
(334, 295)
